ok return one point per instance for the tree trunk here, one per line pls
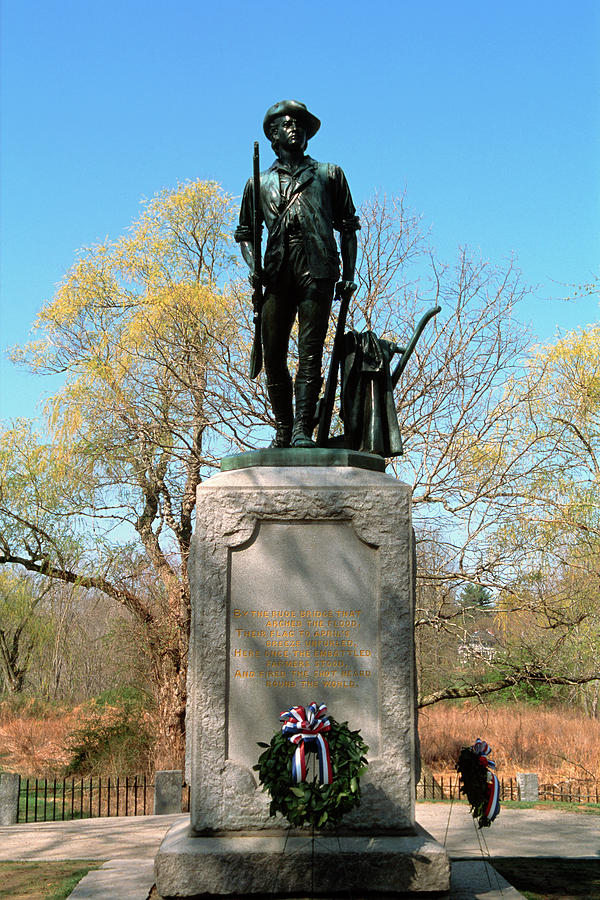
(170, 699)
(14, 673)
(169, 674)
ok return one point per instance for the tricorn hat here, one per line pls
(291, 108)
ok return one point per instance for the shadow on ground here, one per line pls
(552, 879)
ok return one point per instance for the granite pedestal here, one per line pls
(302, 589)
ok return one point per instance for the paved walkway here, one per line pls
(516, 832)
(134, 837)
(129, 845)
(118, 879)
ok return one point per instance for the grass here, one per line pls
(552, 879)
(49, 811)
(589, 809)
(42, 880)
(42, 739)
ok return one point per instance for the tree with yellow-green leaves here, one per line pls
(558, 528)
(546, 611)
(555, 535)
(151, 335)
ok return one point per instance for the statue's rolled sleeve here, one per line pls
(352, 223)
(344, 211)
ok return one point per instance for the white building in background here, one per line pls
(479, 645)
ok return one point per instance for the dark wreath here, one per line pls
(479, 784)
(310, 802)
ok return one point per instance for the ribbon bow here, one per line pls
(492, 807)
(303, 725)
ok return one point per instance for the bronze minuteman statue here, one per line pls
(301, 202)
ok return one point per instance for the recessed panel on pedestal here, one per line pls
(303, 625)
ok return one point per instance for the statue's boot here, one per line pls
(307, 393)
(280, 395)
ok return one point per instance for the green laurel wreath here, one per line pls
(313, 803)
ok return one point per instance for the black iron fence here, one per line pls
(445, 787)
(59, 800)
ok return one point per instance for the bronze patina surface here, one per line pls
(302, 202)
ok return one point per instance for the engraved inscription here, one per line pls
(302, 648)
(320, 644)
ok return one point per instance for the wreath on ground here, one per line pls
(313, 802)
(478, 782)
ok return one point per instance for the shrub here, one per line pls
(123, 695)
(115, 737)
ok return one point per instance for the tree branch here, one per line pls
(489, 687)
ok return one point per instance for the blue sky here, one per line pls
(488, 114)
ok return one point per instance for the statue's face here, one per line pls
(291, 134)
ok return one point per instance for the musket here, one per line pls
(256, 355)
(327, 401)
(408, 350)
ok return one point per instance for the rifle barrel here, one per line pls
(257, 222)
(256, 355)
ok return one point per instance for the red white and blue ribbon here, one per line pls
(303, 726)
(483, 750)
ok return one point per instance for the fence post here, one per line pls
(528, 787)
(10, 785)
(167, 791)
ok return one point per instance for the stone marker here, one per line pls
(10, 784)
(528, 787)
(302, 589)
(167, 792)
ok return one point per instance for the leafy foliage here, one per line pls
(313, 803)
(151, 334)
(23, 633)
(476, 595)
(112, 738)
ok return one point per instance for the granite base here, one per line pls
(302, 588)
(295, 865)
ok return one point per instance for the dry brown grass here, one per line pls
(555, 743)
(552, 742)
(38, 740)
(32, 744)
